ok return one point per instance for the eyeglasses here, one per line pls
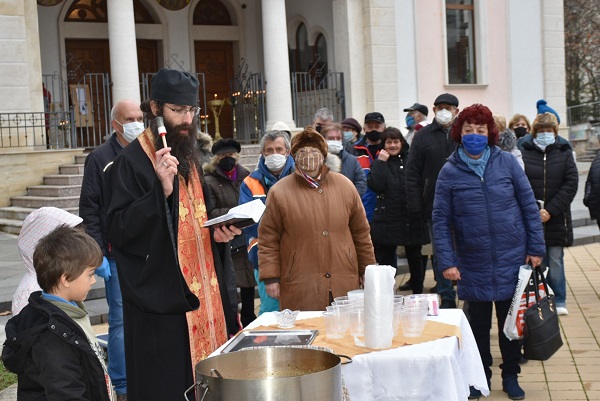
(182, 112)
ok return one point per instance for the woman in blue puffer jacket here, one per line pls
(486, 224)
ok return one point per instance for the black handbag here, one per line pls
(541, 334)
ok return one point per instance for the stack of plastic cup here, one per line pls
(334, 327)
(341, 307)
(357, 318)
(413, 316)
(398, 304)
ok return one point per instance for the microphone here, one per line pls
(162, 131)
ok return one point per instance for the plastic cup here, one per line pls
(397, 317)
(333, 325)
(357, 320)
(413, 317)
(342, 309)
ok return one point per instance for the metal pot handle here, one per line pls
(205, 385)
(349, 360)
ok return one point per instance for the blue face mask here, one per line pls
(474, 144)
(410, 121)
(545, 138)
(348, 135)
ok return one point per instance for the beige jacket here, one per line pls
(314, 240)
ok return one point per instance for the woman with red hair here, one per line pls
(485, 225)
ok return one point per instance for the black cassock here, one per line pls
(142, 228)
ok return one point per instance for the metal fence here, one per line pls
(248, 103)
(584, 113)
(38, 130)
(311, 92)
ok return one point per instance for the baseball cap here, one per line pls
(421, 108)
(374, 116)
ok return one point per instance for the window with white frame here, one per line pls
(460, 42)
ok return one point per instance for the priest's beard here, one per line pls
(183, 146)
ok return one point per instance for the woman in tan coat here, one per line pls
(315, 241)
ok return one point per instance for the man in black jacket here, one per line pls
(127, 124)
(427, 156)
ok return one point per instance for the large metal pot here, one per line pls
(270, 373)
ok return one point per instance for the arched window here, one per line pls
(307, 58)
(211, 12)
(303, 55)
(320, 54)
(95, 11)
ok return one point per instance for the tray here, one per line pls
(270, 338)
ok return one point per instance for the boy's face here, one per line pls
(78, 289)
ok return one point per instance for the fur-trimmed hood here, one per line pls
(205, 141)
(334, 162)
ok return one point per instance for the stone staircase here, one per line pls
(59, 190)
(62, 190)
(589, 155)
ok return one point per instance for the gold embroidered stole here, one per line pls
(206, 325)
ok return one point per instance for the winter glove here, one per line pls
(104, 269)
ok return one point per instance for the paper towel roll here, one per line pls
(379, 306)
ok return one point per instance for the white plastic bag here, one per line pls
(513, 325)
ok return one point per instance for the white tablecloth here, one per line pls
(431, 371)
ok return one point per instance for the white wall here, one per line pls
(525, 57)
(20, 65)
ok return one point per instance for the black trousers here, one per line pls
(386, 255)
(247, 315)
(480, 319)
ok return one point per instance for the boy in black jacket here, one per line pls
(50, 343)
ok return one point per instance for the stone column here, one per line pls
(277, 64)
(123, 51)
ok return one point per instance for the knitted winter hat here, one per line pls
(542, 107)
(309, 137)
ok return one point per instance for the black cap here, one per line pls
(447, 99)
(227, 145)
(421, 108)
(176, 87)
(374, 116)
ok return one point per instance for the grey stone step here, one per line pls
(250, 150)
(54, 190)
(581, 218)
(15, 212)
(41, 201)
(249, 160)
(584, 235)
(80, 159)
(71, 169)
(11, 226)
(63, 179)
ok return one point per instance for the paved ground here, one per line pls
(571, 374)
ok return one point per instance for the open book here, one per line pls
(240, 216)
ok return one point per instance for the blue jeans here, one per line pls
(267, 303)
(116, 345)
(555, 261)
(444, 286)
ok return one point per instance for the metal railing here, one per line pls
(38, 130)
(311, 92)
(584, 113)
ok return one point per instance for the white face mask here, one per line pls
(443, 117)
(335, 147)
(275, 162)
(131, 130)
